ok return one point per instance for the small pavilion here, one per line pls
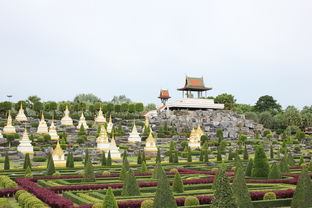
(194, 84)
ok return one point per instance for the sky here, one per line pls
(58, 49)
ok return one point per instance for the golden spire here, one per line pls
(110, 119)
(112, 144)
(9, 123)
(58, 150)
(150, 138)
(21, 106)
(42, 116)
(25, 135)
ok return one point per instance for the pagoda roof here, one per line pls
(194, 84)
(164, 94)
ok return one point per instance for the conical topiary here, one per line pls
(27, 162)
(249, 167)
(125, 167)
(143, 168)
(88, 171)
(275, 172)
(302, 196)
(51, 167)
(130, 185)
(223, 195)
(260, 165)
(177, 185)
(109, 159)
(109, 199)
(240, 189)
(6, 161)
(158, 157)
(139, 160)
(164, 196)
(103, 159)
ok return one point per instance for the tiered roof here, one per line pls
(194, 84)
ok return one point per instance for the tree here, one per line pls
(109, 199)
(150, 106)
(144, 168)
(117, 108)
(120, 99)
(164, 197)
(50, 165)
(130, 185)
(271, 152)
(109, 159)
(267, 103)
(124, 107)
(28, 173)
(139, 160)
(291, 116)
(249, 167)
(284, 164)
(34, 99)
(125, 166)
(176, 157)
(177, 185)
(227, 99)
(223, 195)
(70, 160)
(266, 119)
(131, 108)
(27, 162)
(158, 157)
(240, 189)
(206, 158)
(189, 154)
(302, 195)
(103, 159)
(219, 156)
(245, 156)
(139, 107)
(261, 166)
(88, 171)
(88, 98)
(275, 172)
(7, 162)
(219, 135)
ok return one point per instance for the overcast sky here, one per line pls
(57, 49)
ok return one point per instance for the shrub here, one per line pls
(191, 201)
(147, 203)
(177, 185)
(302, 195)
(260, 166)
(97, 205)
(39, 159)
(240, 190)
(109, 200)
(4, 203)
(105, 172)
(174, 170)
(269, 196)
(275, 172)
(56, 174)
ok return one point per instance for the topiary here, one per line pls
(191, 201)
(269, 196)
(147, 203)
(56, 174)
(105, 172)
(4, 203)
(97, 205)
(275, 172)
(174, 170)
(177, 185)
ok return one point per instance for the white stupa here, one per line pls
(53, 132)
(134, 135)
(1, 136)
(43, 127)
(100, 119)
(66, 120)
(194, 140)
(25, 145)
(21, 115)
(150, 144)
(114, 150)
(82, 121)
(102, 140)
(58, 156)
(9, 128)
(110, 125)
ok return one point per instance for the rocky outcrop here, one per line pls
(230, 122)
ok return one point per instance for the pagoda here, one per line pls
(114, 150)
(164, 96)
(53, 132)
(43, 127)
(66, 120)
(100, 119)
(199, 131)
(110, 125)
(150, 144)
(194, 84)
(134, 135)
(102, 140)
(25, 145)
(58, 156)
(82, 121)
(21, 115)
(9, 128)
(194, 140)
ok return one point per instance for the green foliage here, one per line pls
(240, 190)
(269, 196)
(227, 99)
(125, 166)
(301, 161)
(177, 185)
(219, 135)
(139, 160)
(4, 203)
(88, 98)
(109, 159)
(219, 156)
(284, 164)
(144, 168)
(6, 161)
(245, 155)
(290, 159)
(191, 201)
(267, 103)
(302, 195)
(148, 203)
(275, 172)
(103, 159)
(156, 171)
(249, 167)
(271, 152)
(28, 173)
(158, 157)
(130, 185)
(50, 165)
(109, 199)
(164, 196)
(27, 162)
(223, 195)
(70, 160)
(189, 155)
(206, 158)
(261, 166)
(88, 170)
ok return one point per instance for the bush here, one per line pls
(56, 174)
(147, 203)
(4, 203)
(39, 159)
(269, 196)
(191, 201)
(97, 205)
(105, 172)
